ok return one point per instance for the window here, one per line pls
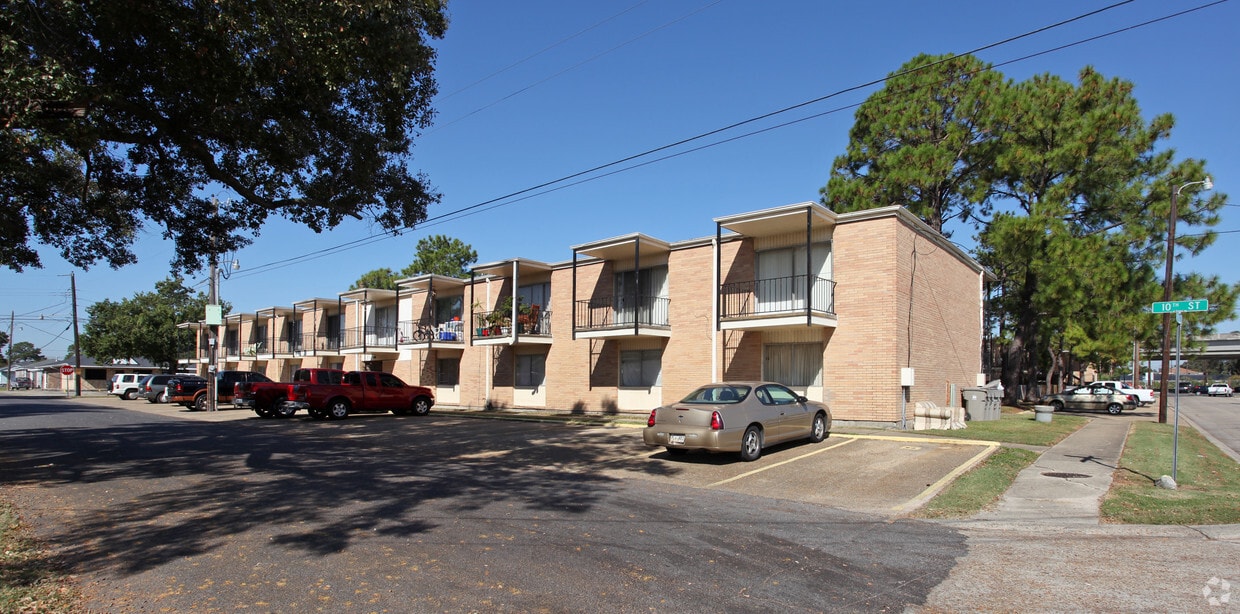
(637, 296)
(531, 370)
(776, 395)
(793, 364)
(535, 294)
(641, 368)
(387, 380)
(448, 308)
(448, 371)
(781, 278)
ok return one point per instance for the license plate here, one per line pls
(676, 439)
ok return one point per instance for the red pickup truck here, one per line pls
(267, 398)
(359, 391)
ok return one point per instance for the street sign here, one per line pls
(66, 370)
(1176, 306)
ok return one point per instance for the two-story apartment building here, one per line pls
(868, 311)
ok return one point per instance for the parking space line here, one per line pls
(818, 451)
(934, 488)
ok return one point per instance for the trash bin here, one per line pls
(975, 406)
(1043, 413)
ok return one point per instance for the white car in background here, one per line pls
(1145, 396)
(1219, 389)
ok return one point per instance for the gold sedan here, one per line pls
(742, 417)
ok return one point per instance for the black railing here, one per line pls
(777, 296)
(311, 343)
(426, 331)
(613, 312)
(499, 323)
(368, 337)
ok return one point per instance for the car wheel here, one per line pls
(421, 406)
(200, 402)
(1114, 409)
(338, 409)
(130, 395)
(280, 410)
(318, 414)
(1058, 405)
(263, 412)
(751, 444)
(818, 430)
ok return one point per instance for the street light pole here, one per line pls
(1166, 319)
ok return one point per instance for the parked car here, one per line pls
(1219, 389)
(125, 385)
(1200, 388)
(183, 387)
(1093, 397)
(1185, 388)
(358, 391)
(192, 393)
(21, 383)
(742, 417)
(155, 388)
(1145, 396)
(268, 398)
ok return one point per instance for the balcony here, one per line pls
(425, 334)
(777, 303)
(622, 316)
(368, 339)
(312, 344)
(270, 349)
(495, 327)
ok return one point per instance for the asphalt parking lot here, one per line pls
(875, 473)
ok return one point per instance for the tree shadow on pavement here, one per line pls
(135, 495)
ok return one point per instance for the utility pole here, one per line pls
(9, 379)
(77, 347)
(213, 332)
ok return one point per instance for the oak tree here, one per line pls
(118, 116)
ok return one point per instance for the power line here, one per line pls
(541, 51)
(536, 190)
(578, 64)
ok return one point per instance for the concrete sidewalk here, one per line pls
(1066, 484)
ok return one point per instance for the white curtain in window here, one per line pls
(793, 364)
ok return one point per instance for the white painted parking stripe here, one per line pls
(791, 460)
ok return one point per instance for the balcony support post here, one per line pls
(809, 263)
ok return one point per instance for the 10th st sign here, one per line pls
(1177, 306)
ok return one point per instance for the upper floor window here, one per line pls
(535, 294)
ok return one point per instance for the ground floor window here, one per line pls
(448, 371)
(531, 370)
(641, 368)
(793, 364)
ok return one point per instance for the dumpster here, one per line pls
(983, 403)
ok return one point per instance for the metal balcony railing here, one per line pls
(378, 337)
(619, 311)
(499, 323)
(312, 343)
(781, 295)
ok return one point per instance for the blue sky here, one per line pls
(535, 91)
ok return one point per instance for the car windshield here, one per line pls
(721, 393)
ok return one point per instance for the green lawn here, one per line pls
(1208, 481)
(980, 487)
(1016, 426)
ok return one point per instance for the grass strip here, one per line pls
(30, 580)
(1016, 426)
(980, 487)
(1208, 481)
